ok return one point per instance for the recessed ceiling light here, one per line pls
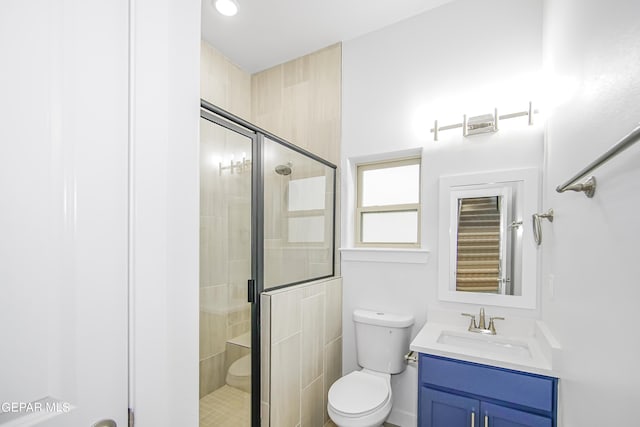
(227, 7)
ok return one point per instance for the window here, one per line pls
(388, 204)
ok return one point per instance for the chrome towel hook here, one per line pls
(537, 227)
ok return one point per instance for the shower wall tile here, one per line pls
(313, 323)
(300, 101)
(264, 414)
(223, 83)
(333, 310)
(296, 72)
(239, 229)
(212, 373)
(266, 98)
(299, 314)
(240, 272)
(232, 353)
(285, 382)
(239, 329)
(213, 334)
(285, 314)
(332, 368)
(213, 259)
(242, 314)
(313, 404)
(213, 299)
(312, 290)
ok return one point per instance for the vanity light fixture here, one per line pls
(226, 7)
(482, 124)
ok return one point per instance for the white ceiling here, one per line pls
(265, 33)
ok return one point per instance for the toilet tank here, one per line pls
(382, 340)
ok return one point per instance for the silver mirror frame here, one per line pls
(528, 183)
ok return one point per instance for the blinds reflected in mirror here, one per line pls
(478, 253)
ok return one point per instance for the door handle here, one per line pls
(105, 423)
(251, 292)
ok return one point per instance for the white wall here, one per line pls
(395, 83)
(591, 248)
(164, 213)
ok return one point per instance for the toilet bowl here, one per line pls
(239, 374)
(360, 399)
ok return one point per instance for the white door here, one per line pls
(63, 212)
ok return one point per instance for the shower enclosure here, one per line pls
(266, 221)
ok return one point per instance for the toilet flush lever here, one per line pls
(411, 357)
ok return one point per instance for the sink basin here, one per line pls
(486, 344)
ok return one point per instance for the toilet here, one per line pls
(363, 398)
(239, 374)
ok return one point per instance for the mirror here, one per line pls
(487, 255)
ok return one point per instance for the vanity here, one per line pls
(481, 380)
(458, 393)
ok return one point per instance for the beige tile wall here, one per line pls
(223, 83)
(302, 351)
(300, 101)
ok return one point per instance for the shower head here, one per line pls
(284, 169)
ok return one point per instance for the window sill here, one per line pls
(406, 256)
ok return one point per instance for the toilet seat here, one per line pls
(241, 367)
(359, 394)
(239, 374)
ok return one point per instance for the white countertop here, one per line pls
(544, 350)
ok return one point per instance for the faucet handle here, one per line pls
(472, 325)
(492, 327)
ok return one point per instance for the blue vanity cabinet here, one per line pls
(438, 408)
(501, 416)
(454, 393)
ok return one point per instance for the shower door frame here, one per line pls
(255, 285)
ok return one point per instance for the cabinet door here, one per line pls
(439, 409)
(500, 416)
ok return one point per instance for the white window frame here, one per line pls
(407, 207)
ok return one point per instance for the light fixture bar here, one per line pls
(482, 123)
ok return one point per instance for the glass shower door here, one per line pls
(225, 266)
(299, 197)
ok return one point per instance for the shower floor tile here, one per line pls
(225, 407)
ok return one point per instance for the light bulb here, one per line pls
(227, 7)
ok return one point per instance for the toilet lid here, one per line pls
(241, 367)
(358, 394)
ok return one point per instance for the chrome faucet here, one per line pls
(481, 327)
